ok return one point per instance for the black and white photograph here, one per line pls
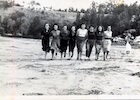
(70, 48)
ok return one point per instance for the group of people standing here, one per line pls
(59, 41)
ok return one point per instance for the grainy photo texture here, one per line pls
(69, 47)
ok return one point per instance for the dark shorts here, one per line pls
(89, 45)
(63, 45)
(71, 45)
(99, 45)
(80, 43)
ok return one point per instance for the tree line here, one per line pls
(121, 17)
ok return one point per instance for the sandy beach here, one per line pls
(23, 71)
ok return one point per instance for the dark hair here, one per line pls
(46, 23)
(76, 28)
(43, 27)
(55, 24)
(97, 30)
(70, 29)
(83, 24)
(108, 26)
(65, 25)
(91, 26)
(73, 26)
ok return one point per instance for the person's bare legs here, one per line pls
(64, 54)
(97, 53)
(96, 56)
(90, 51)
(78, 55)
(104, 56)
(61, 55)
(72, 54)
(69, 54)
(107, 54)
(52, 54)
(45, 55)
(81, 51)
(78, 51)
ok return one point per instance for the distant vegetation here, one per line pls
(29, 22)
(121, 17)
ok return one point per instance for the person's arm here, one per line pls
(77, 33)
(103, 34)
(95, 35)
(51, 34)
(86, 35)
(68, 35)
(60, 34)
(50, 38)
(112, 36)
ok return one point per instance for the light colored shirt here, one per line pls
(82, 32)
(108, 34)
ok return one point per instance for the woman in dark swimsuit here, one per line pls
(64, 38)
(90, 42)
(45, 34)
(99, 41)
(72, 37)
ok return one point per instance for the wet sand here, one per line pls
(23, 71)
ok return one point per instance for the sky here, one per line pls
(80, 4)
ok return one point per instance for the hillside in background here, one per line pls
(32, 13)
(28, 22)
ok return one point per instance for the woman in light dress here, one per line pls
(55, 44)
(107, 42)
(81, 38)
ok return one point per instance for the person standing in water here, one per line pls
(81, 38)
(72, 37)
(99, 41)
(45, 35)
(64, 38)
(90, 42)
(55, 44)
(107, 42)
